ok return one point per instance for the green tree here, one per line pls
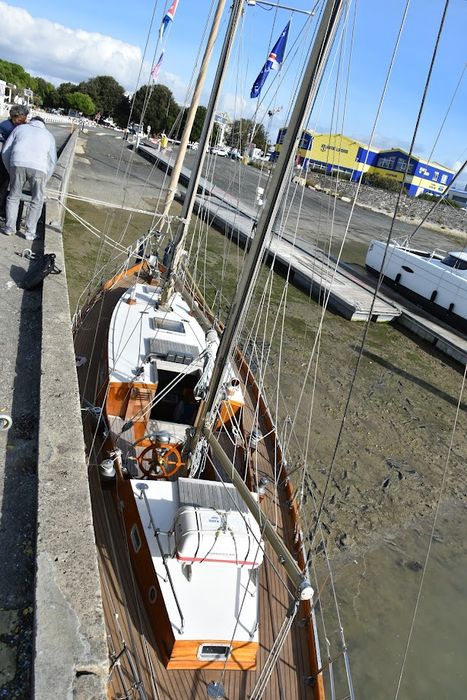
(14, 73)
(63, 90)
(161, 111)
(47, 93)
(197, 124)
(121, 112)
(241, 134)
(81, 102)
(105, 92)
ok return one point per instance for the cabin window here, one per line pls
(436, 176)
(444, 179)
(165, 324)
(135, 538)
(452, 261)
(213, 652)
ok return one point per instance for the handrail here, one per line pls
(142, 488)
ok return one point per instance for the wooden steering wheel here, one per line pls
(160, 461)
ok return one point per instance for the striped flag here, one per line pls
(168, 18)
(157, 67)
(274, 62)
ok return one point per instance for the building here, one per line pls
(331, 154)
(419, 176)
(458, 196)
(336, 153)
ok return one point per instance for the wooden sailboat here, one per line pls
(202, 556)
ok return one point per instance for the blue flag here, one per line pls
(274, 62)
(168, 18)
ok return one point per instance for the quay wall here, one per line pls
(70, 649)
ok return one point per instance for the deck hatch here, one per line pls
(222, 497)
(167, 324)
(171, 351)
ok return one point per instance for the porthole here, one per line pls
(135, 538)
(152, 595)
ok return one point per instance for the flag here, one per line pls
(156, 68)
(168, 18)
(274, 62)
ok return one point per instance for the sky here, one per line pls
(64, 41)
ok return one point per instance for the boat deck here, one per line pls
(131, 645)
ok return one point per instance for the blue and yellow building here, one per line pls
(336, 153)
(419, 176)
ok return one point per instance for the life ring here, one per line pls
(163, 461)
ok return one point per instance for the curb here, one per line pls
(70, 649)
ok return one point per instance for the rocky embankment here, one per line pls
(444, 217)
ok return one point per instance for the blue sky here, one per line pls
(109, 37)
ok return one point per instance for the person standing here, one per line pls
(29, 155)
(18, 115)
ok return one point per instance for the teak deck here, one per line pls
(136, 661)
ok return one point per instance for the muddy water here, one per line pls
(378, 591)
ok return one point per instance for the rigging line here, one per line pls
(327, 296)
(438, 201)
(268, 668)
(432, 534)
(447, 112)
(419, 115)
(342, 643)
(102, 236)
(55, 196)
(148, 36)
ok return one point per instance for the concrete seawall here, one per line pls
(71, 658)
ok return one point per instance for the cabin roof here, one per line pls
(213, 602)
(139, 331)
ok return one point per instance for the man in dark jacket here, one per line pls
(18, 115)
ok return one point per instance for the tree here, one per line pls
(121, 112)
(47, 93)
(63, 90)
(15, 74)
(81, 102)
(105, 92)
(197, 124)
(241, 134)
(161, 111)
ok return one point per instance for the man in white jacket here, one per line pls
(29, 155)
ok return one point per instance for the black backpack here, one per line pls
(38, 271)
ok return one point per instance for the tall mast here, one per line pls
(172, 188)
(279, 181)
(187, 209)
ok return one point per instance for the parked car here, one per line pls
(219, 151)
(235, 154)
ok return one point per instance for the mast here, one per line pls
(279, 181)
(188, 204)
(172, 188)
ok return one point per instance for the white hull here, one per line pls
(425, 276)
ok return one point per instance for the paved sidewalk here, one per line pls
(20, 348)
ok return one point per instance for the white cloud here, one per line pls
(175, 84)
(64, 54)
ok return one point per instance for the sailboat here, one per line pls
(203, 560)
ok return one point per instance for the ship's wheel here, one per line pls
(160, 461)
